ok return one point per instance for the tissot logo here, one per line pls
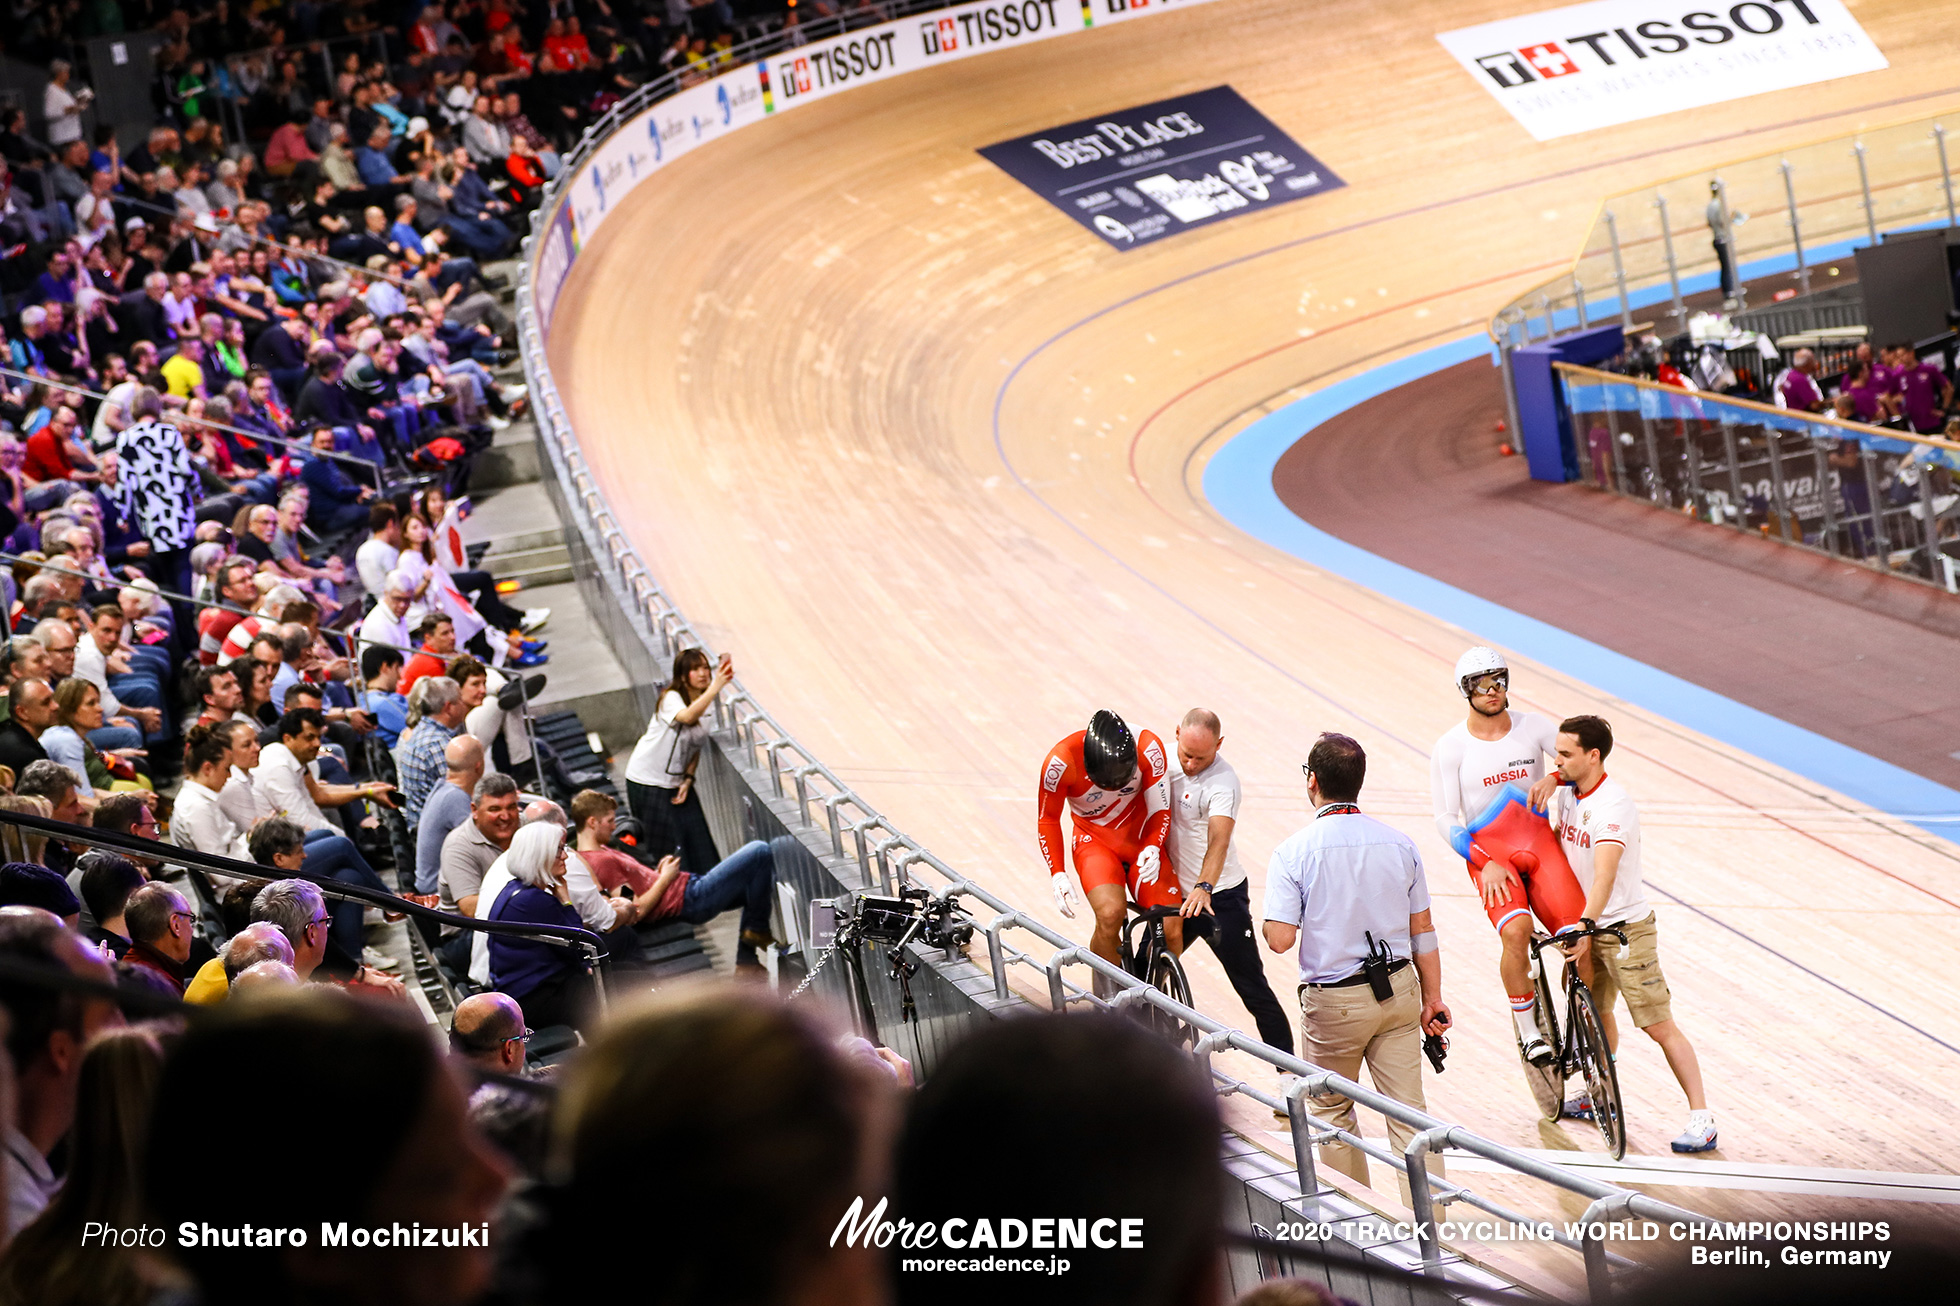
(1610, 47)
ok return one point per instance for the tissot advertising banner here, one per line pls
(1588, 66)
(811, 72)
(1138, 175)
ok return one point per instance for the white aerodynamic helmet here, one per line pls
(1477, 663)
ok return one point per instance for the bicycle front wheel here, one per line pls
(1167, 977)
(1596, 1064)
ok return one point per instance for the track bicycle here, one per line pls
(1579, 1044)
(1147, 955)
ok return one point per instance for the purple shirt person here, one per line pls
(1924, 393)
(1866, 393)
(1796, 388)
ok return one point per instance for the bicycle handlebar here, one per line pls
(1575, 933)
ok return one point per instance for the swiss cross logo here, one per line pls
(1548, 59)
(939, 35)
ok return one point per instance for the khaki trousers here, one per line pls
(1339, 1029)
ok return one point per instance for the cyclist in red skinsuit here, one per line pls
(1118, 798)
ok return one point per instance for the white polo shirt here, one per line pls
(1195, 799)
(280, 780)
(1341, 878)
(1603, 815)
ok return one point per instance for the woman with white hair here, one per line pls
(548, 981)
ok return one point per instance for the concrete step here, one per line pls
(549, 565)
(583, 676)
(502, 542)
(511, 459)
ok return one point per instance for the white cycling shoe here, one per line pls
(1538, 1052)
(1700, 1135)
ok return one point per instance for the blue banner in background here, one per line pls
(554, 262)
(1138, 175)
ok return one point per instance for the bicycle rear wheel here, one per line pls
(1547, 1082)
(1596, 1064)
(1167, 977)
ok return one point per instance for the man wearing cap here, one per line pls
(1349, 891)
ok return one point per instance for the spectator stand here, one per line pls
(198, 869)
(367, 470)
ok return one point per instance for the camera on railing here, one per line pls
(915, 915)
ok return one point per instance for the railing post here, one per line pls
(1421, 1203)
(1735, 470)
(1946, 173)
(1619, 485)
(996, 953)
(1880, 541)
(1825, 495)
(1619, 274)
(1796, 227)
(1297, 1116)
(1658, 491)
(1579, 301)
(1865, 187)
(1928, 520)
(830, 805)
(1680, 309)
(1777, 495)
(1691, 454)
(1509, 381)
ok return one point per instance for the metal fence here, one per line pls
(850, 845)
(1645, 244)
(1870, 495)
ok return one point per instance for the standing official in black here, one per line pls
(1217, 897)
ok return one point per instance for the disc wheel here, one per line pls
(1547, 1083)
(1596, 1065)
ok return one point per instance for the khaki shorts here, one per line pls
(1633, 972)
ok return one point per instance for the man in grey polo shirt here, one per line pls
(447, 808)
(467, 853)
(1340, 888)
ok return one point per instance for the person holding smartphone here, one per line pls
(660, 774)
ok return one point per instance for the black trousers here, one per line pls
(1229, 932)
(672, 827)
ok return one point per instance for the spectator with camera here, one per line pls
(660, 773)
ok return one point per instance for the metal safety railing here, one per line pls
(1645, 245)
(1018, 944)
(1863, 493)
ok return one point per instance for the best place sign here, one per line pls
(1137, 175)
(1596, 65)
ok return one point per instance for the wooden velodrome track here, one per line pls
(918, 450)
